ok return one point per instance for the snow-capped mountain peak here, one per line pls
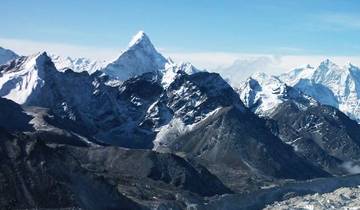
(23, 77)
(40, 58)
(140, 38)
(330, 84)
(32, 62)
(140, 57)
(263, 93)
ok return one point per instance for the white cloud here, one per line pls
(242, 68)
(236, 66)
(27, 47)
(216, 60)
(351, 167)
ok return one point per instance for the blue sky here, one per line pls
(187, 27)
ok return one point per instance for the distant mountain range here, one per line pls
(143, 132)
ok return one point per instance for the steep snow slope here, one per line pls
(77, 64)
(7, 55)
(140, 57)
(18, 85)
(329, 84)
(263, 93)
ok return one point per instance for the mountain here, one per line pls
(7, 55)
(263, 93)
(61, 63)
(40, 122)
(38, 171)
(329, 84)
(22, 78)
(238, 148)
(39, 174)
(140, 57)
(109, 114)
(211, 125)
(140, 112)
(153, 134)
(319, 133)
(77, 64)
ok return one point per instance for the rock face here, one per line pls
(238, 148)
(13, 117)
(102, 110)
(322, 134)
(40, 172)
(37, 174)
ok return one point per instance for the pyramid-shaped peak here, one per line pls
(40, 57)
(140, 38)
(38, 61)
(141, 57)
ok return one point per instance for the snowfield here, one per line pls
(342, 198)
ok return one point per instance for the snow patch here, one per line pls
(175, 128)
(137, 38)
